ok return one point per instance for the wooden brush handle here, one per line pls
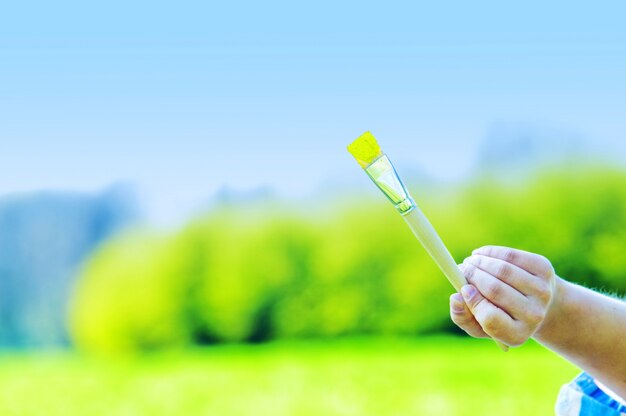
(428, 237)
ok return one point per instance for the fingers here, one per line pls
(494, 321)
(508, 295)
(514, 276)
(496, 291)
(532, 263)
(463, 318)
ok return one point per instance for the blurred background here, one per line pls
(182, 230)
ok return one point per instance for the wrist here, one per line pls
(557, 309)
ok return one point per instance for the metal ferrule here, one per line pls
(382, 172)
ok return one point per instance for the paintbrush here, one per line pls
(379, 168)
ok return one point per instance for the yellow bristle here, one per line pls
(365, 149)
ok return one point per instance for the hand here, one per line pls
(508, 296)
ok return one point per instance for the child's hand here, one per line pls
(508, 295)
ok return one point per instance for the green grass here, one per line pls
(428, 376)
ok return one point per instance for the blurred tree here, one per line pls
(134, 296)
(259, 272)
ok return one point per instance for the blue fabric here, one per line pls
(583, 397)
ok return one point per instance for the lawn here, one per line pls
(425, 376)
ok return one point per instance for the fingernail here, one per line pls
(468, 292)
(455, 303)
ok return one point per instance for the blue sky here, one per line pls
(183, 99)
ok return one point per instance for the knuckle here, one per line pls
(473, 304)
(491, 325)
(542, 265)
(504, 271)
(544, 297)
(469, 272)
(535, 316)
(492, 290)
(546, 267)
(509, 255)
(544, 292)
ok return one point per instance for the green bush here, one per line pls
(130, 296)
(256, 273)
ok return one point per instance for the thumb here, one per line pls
(472, 297)
(493, 320)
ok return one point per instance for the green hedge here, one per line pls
(256, 273)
